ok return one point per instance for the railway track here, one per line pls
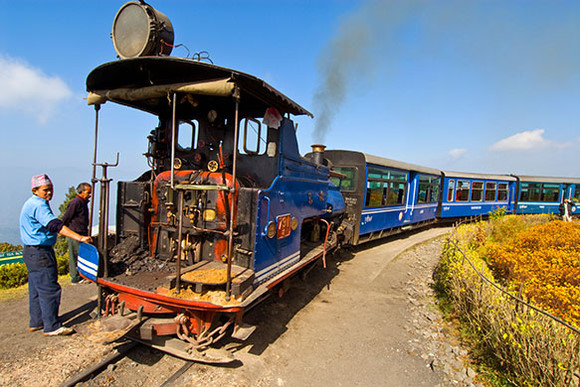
(91, 371)
(119, 353)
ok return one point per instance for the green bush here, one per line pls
(13, 275)
(62, 264)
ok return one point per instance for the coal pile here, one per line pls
(129, 258)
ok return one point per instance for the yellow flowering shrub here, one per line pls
(543, 263)
(535, 258)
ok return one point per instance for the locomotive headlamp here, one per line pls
(271, 229)
(208, 214)
(141, 30)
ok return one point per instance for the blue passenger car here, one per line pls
(543, 195)
(476, 194)
(574, 192)
(383, 196)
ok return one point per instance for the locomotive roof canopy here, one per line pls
(145, 83)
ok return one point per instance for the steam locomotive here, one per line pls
(229, 210)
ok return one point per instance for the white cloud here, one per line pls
(529, 139)
(457, 153)
(28, 89)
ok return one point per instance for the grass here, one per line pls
(22, 291)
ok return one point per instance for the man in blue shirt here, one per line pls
(38, 231)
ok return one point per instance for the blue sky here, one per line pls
(480, 86)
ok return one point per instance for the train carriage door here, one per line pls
(512, 196)
(450, 191)
(413, 181)
(413, 196)
(568, 191)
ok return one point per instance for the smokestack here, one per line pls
(318, 153)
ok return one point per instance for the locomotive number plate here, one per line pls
(284, 226)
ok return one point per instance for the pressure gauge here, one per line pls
(212, 166)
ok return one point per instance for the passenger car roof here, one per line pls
(399, 164)
(482, 176)
(548, 179)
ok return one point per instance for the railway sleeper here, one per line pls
(185, 350)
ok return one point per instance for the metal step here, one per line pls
(243, 331)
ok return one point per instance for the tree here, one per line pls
(61, 246)
(70, 195)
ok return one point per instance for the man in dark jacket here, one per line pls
(76, 217)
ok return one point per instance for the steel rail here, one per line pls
(120, 352)
(169, 382)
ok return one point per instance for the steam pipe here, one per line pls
(93, 181)
(179, 235)
(173, 130)
(233, 193)
(105, 236)
(325, 241)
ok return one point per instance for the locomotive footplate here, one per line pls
(207, 275)
(108, 329)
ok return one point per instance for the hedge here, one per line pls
(15, 274)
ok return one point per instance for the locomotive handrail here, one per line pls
(265, 232)
(195, 187)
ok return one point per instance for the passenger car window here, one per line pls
(490, 191)
(462, 194)
(502, 193)
(428, 189)
(577, 193)
(347, 184)
(550, 193)
(530, 192)
(385, 187)
(477, 191)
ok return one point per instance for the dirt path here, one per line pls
(368, 319)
